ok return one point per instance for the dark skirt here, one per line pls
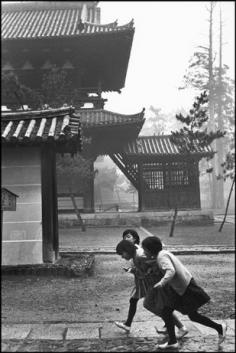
(158, 298)
(192, 299)
(143, 284)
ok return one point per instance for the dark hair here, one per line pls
(134, 235)
(152, 244)
(125, 245)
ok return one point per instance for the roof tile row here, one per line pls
(57, 123)
(159, 145)
(61, 124)
(52, 23)
(39, 126)
(100, 118)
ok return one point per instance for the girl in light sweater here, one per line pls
(188, 297)
(146, 274)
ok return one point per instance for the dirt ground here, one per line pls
(104, 295)
(183, 235)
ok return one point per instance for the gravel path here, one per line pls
(104, 295)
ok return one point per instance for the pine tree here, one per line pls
(195, 134)
(194, 131)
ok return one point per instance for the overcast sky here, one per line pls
(166, 35)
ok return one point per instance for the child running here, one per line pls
(188, 295)
(145, 277)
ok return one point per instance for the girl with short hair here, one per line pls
(187, 295)
(145, 277)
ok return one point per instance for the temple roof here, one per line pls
(33, 127)
(53, 23)
(37, 35)
(62, 124)
(159, 146)
(100, 118)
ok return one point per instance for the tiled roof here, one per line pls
(52, 23)
(158, 146)
(58, 125)
(95, 118)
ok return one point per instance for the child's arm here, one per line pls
(167, 267)
(130, 269)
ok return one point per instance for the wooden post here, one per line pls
(47, 204)
(92, 185)
(165, 186)
(55, 208)
(169, 198)
(140, 186)
(196, 183)
(1, 225)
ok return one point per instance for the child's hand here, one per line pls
(157, 285)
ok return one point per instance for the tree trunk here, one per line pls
(77, 212)
(211, 103)
(173, 223)
(219, 142)
(227, 206)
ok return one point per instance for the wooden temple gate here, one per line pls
(95, 58)
(162, 183)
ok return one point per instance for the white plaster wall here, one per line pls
(22, 229)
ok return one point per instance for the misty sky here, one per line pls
(166, 36)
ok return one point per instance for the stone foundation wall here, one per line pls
(22, 229)
(136, 219)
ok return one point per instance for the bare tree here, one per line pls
(211, 100)
(203, 74)
(228, 172)
(171, 234)
(219, 143)
(73, 173)
(227, 205)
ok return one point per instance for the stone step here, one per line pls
(98, 330)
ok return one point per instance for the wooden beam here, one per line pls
(130, 173)
(140, 186)
(92, 184)
(55, 208)
(48, 203)
(197, 183)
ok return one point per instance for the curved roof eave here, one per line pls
(42, 126)
(161, 146)
(95, 118)
(22, 25)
